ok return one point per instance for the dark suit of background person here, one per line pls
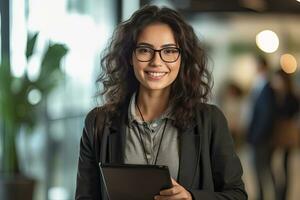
(261, 126)
(206, 145)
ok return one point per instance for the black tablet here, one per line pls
(134, 182)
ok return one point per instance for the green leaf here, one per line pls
(31, 40)
(51, 60)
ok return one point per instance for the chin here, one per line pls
(156, 87)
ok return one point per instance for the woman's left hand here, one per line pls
(177, 192)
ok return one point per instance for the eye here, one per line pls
(143, 50)
(170, 51)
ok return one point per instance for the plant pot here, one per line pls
(16, 187)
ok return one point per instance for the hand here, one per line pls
(177, 192)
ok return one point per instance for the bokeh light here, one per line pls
(288, 63)
(34, 96)
(267, 41)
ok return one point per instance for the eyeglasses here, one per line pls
(167, 54)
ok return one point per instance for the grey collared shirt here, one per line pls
(151, 134)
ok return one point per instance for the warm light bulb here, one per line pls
(288, 63)
(267, 41)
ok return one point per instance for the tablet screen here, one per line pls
(134, 182)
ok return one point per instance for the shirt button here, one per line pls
(155, 125)
(148, 156)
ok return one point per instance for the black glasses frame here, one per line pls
(159, 52)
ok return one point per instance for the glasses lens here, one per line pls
(144, 53)
(170, 54)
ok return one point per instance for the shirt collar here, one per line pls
(133, 117)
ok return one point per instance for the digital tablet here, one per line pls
(134, 182)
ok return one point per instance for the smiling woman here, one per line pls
(156, 85)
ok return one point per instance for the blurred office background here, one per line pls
(233, 31)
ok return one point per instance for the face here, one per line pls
(156, 73)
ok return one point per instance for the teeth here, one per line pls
(156, 74)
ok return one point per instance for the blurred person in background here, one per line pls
(286, 132)
(261, 126)
(156, 83)
(231, 101)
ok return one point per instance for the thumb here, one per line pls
(174, 182)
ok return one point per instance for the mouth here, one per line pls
(155, 75)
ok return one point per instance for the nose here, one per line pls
(156, 60)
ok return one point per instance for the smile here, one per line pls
(156, 75)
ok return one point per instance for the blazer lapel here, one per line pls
(190, 149)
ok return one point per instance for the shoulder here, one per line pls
(100, 116)
(217, 131)
(210, 111)
(95, 113)
(210, 117)
(268, 89)
(96, 117)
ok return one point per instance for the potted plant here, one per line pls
(16, 112)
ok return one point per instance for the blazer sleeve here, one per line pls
(226, 166)
(88, 175)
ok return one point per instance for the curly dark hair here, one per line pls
(192, 86)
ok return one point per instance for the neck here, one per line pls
(152, 103)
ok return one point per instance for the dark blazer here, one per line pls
(263, 117)
(209, 167)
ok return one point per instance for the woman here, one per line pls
(156, 84)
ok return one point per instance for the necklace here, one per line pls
(142, 142)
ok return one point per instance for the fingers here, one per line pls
(177, 192)
(172, 191)
(179, 196)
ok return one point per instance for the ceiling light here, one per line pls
(267, 41)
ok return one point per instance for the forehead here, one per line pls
(157, 34)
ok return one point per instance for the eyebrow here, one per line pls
(165, 45)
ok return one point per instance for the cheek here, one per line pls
(138, 69)
(176, 68)
(135, 64)
(138, 66)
